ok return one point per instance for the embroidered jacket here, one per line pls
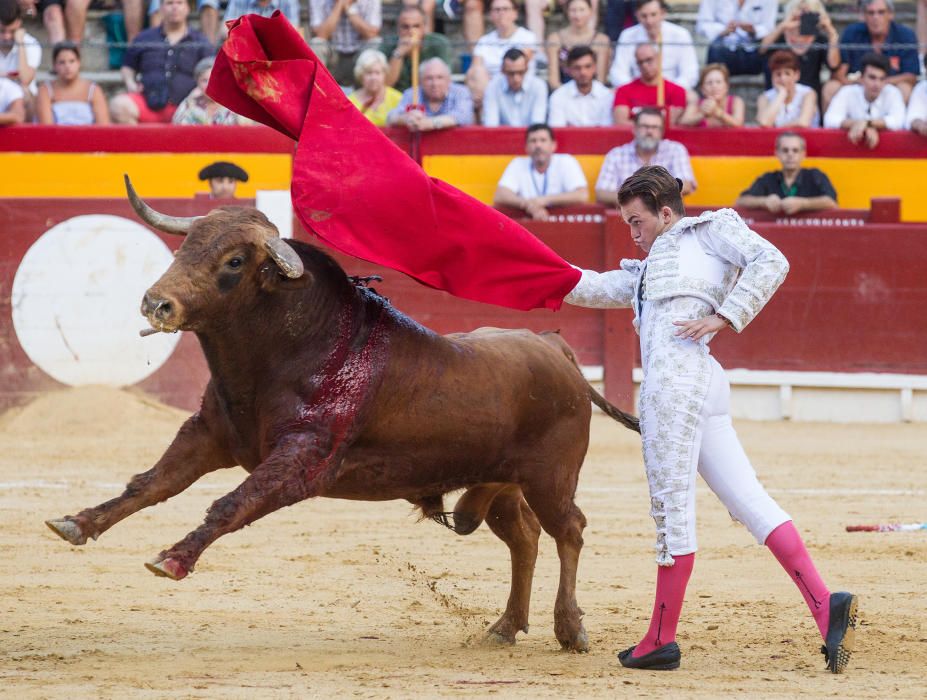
(714, 257)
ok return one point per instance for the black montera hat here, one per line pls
(223, 168)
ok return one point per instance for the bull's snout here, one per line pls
(160, 311)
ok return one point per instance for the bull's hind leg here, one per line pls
(192, 454)
(563, 520)
(513, 522)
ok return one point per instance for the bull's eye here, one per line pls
(235, 262)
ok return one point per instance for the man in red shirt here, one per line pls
(642, 92)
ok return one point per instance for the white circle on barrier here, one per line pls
(76, 298)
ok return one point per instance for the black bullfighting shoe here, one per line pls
(841, 631)
(664, 658)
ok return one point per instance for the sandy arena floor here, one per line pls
(354, 599)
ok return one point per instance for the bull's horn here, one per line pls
(169, 224)
(286, 258)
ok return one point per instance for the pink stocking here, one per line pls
(667, 606)
(787, 546)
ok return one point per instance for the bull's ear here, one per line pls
(287, 259)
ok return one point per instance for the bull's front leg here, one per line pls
(287, 476)
(194, 452)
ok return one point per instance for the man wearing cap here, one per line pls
(223, 179)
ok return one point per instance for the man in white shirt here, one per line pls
(515, 98)
(734, 29)
(680, 63)
(648, 148)
(20, 53)
(865, 108)
(543, 179)
(583, 101)
(916, 116)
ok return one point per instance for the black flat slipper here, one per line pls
(841, 631)
(664, 658)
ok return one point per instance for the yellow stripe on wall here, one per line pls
(153, 174)
(721, 178)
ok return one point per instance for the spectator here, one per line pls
(642, 91)
(648, 148)
(814, 51)
(878, 33)
(734, 28)
(12, 109)
(916, 116)
(20, 53)
(223, 179)
(441, 103)
(374, 98)
(583, 101)
(787, 103)
(428, 11)
(158, 68)
(63, 19)
(411, 27)
(198, 109)
(581, 31)
(265, 8)
(517, 100)
(70, 100)
(543, 179)
(344, 28)
(869, 106)
(209, 16)
(680, 63)
(716, 107)
(793, 189)
(489, 50)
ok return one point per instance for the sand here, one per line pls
(358, 600)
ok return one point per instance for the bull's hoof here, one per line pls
(497, 639)
(67, 530)
(576, 642)
(170, 568)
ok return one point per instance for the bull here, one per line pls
(320, 388)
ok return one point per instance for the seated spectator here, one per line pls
(489, 50)
(581, 31)
(716, 106)
(472, 12)
(792, 189)
(70, 100)
(63, 19)
(223, 179)
(814, 51)
(12, 109)
(342, 29)
(642, 91)
(877, 33)
(441, 104)
(680, 63)
(648, 148)
(20, 52)
(209, 17)
(158, 68)
(916, 116)
(583, 101)
(869, 106)
(517, 99)
(373, 98)
(787, 103)
(199, 109)
(428, 12)
(543, 179)
(734, 29)
(411, 27)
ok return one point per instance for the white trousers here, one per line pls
(686, 429)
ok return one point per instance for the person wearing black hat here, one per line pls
(223, 179)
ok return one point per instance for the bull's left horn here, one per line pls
(286, 258)
(169, 224)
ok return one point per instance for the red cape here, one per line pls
(357, 191)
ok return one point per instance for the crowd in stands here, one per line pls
(643, 70)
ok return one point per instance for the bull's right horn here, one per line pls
(169, 224)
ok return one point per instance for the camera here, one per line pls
(808, 23)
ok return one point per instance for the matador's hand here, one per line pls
(694, 330)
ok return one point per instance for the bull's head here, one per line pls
(226, 258)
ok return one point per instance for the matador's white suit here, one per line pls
(702, 265)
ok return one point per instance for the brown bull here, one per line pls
(320, 388)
